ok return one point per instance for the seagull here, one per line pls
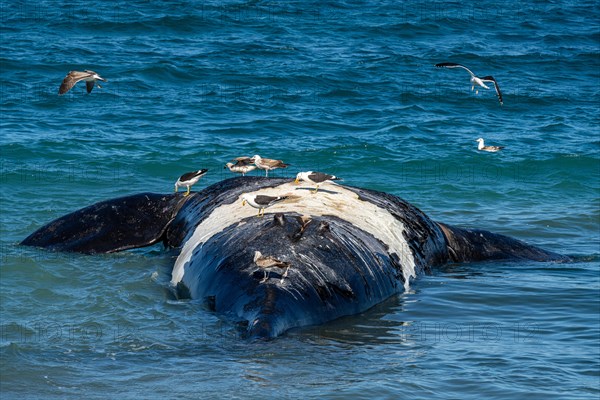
(268, 264)
(188, 179)
(491, 149)
(475, 81)
(268, 164)
(315, 177)
(242, 165)
(261, 201)
(90, 77)
(239, 168)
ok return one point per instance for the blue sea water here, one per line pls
(344, 87)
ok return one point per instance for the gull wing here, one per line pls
(89, 85)
(498, 92)
(453, 65)
(263, 200)
(71, 79)
(320, 177)
(242, 161)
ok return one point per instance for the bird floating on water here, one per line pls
(261, 201)
(268, 164)
(242, 165)
(315, 177)
(268, 264)
(188, 179)
(90, 77)
(481, 146)
(475, 80)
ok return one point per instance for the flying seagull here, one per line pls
(188, 179)
(315, 177)
(261, 201)
(481, 146)
(268, 164)
(475, 80)
(268, 264)
(90, 77)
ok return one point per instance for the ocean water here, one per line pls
(344, 87)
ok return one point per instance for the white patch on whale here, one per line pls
(338, 201)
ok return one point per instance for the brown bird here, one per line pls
(268, 164)
(268, 264)
(242, 165)
(90, 77)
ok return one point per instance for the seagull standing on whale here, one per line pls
(475, 80)
(188, 179)
(242, 165)
(315, 177)
(268, 264)
(261, 201)
(90, 77)
(268, 164)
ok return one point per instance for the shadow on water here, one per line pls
(374, 326)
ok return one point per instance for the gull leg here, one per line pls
(284, 274)
(188, 192)
(264, 279)
(266, 173)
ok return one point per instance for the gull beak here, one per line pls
(297, 181)
(243, 202)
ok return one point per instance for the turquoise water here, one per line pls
(343, 87)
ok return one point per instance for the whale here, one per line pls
(310, 259)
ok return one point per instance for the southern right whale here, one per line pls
(346, 248)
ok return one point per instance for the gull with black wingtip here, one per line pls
(475, 80)
(261, 201)
(189, 179)
(315, 177)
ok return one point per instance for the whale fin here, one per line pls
(478, 245)
(108, 226)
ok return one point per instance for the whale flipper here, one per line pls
(109, 226)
